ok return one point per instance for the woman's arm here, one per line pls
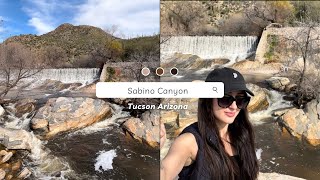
(181, 153)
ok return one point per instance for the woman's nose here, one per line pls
(233, 105)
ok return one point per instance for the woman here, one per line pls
(221, 144)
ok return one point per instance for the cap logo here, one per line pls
(235, 75)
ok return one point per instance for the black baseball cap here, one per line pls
(232, 79)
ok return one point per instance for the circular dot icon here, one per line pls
(174, 71)
(145, 71)
(159, 71)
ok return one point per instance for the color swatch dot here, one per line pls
(145, 71)
(174, 71)
(159, 71)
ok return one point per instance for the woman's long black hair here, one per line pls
(217, 162)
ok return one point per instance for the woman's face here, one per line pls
(227, 115)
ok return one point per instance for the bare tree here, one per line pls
(16, 63)
(143, 52)
(263, 13)
(305, 45)
(181, 17)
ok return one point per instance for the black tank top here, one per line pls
(194, 171)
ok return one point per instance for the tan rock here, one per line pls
(5, 167)
(276, 176)
(246, 64)
(278, 83)
(16, 165)
(290, 87)
(280, 112)
(312, 134)
(24, 106)
(184, 122)
(19, 139)
(135, 126)
(220, 61)
(169, 117)
(65, 114)
(2, 174)
(259, 101)
(301, 124)
(24, 173)
(146, 129)
(9, 176)
(3, 152)
(295, 120)
(40, 124)
(6, 157)
(151, 137)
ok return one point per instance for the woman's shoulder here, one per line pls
(187, 143)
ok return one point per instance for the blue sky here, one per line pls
(130, 17)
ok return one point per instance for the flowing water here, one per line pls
(211, 47)
(100, 151)
(69, 75)
(65, 75)
(106, 154)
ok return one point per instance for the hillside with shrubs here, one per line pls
(233, 17)
(70, 46)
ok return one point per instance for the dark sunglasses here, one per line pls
(241, 101)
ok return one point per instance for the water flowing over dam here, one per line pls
(211, 47)
(66, 75)
(69, 75)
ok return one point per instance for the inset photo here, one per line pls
(266, 126)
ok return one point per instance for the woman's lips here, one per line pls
(230, 114)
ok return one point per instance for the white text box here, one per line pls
(160, 90)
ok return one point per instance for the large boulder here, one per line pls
(65, 114)
(170, 117)
(278, 83)
(24, 106)
(304, 123)
(259, 101)
(145, 129)
(18, 139)
(248, 66)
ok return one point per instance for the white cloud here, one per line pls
(132, 17)
(45, 15)
(2, 30)
(41, 26)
